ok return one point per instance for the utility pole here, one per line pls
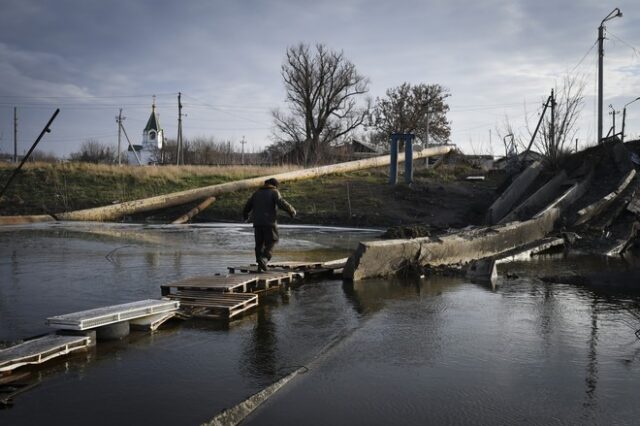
(179, 154)
(624, 116)
(552, 127)
(613, 114)
(426, 139)
(242, 155)
(15, 134)
(119, 120)
(615, 13)
(624, 119)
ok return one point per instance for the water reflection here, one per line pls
(260, 353)
(370, 296)
(431, 351)
(591, 380)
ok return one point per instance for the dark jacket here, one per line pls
(263, 204)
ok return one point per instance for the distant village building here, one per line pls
(354, 150)
(152, 141)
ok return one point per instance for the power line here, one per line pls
(583, 58)
(83, 97)
(79, 105)
(223, 111)
(632, 47)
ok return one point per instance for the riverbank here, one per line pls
(439, 198)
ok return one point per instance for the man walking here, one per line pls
(264, 203)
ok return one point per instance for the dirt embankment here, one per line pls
(438, 199)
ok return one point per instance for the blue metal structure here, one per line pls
(407, 138)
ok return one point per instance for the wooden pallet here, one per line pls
(260, 280)
(40, 350)
(99, 317)
(284, 266)
(234, 283)
(295, 266)
(211, 304)
(271, 279)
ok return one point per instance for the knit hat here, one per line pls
(272, 182)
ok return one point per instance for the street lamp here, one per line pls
(624, 115)
(615, 13)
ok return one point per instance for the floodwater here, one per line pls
(436, 351)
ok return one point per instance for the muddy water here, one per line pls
(436, 351)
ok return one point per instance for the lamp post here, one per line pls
(615, 13)
(624, 116)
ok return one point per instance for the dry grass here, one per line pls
(166, 173)
(57, 187)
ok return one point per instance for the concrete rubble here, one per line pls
(594, 195)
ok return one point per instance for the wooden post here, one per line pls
(194, 211)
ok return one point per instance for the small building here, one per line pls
(152, 142)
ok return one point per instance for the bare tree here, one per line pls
(553, 138)
(44, 156)
(407, 108)
(93, 151)
(555, 144)
(323, 88)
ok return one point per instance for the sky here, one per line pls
(498, 58)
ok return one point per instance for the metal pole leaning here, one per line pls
(26, 157)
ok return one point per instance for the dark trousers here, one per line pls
(266, 237)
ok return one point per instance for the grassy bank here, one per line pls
(439, 198)
(50, 188)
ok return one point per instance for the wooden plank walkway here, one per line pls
(99, 317)
(211, 304)
(39, 350)
(234, 283)
(226, 296)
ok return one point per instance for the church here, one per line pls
(152, 142)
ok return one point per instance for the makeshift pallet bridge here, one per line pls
(227, 296)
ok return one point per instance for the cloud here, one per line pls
(228, 55)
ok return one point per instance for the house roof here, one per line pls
(367, 146)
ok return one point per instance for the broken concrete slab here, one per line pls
(593, 210)
(513, 193)
(486, 270)
(384, 258)
(536, 202)
(634, 204)
(527, 251)
(570, 196)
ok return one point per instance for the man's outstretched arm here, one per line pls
(282, 204)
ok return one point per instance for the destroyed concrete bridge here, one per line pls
(588, 195)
